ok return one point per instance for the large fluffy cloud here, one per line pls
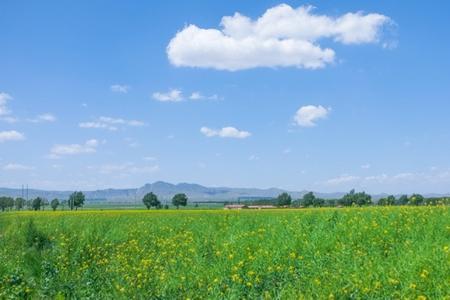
(308, 115)
(225, 132)
(283, 36)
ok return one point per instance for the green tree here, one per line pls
(76, 200)
(179, 200)
(54, 204)
(403, 200)
(284, 199)
(389, 200)
(44, 203)
(151, 200)
(36, 203)
(3, 203)
(308, 199)
(318, 202)
(353, 198)
(416, 199)
(19, 203)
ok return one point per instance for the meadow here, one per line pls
(326, 253)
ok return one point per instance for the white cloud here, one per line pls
(11, 135)
(343, 179)
(149, 158)
(365, 166)
(90, 146)
(287, 151)
(173, 95)
(4, 98)
(47, 117)
(307, 116)
(253, 157)
(225, 132)
(109, 123)
(283, 36)
(17, 167)
(200, 96)
(196, 96)
(120, 88)
(9, 119)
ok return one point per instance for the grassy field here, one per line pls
(354, 253)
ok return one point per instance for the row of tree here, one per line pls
(75, 201)
(151, 200)
(357, 199)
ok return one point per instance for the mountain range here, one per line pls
(165, 191)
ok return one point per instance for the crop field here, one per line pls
(328, 253)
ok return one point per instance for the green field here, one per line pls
(352, 253)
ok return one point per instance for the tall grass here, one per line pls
(393, 252)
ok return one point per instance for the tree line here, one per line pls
(354, 198)
(75, 201)
(150, 200)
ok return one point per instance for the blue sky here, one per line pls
(97, 94)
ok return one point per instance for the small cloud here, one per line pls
(225, 132)
(4, 98)
(9, 119)
(11, 135)
(47, 117)
(199, 96)
(287, 151)
(173, 95)
(308, 115)
(90, 146)
(365, 166)
(17, 167)
(120, 88)
(149, 158)
(111, 124)
(253, 157)
(196, 96)
(342, 179)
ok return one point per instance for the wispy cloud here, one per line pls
(11, 135)
(173, 95)
(225, 132)
(176, 95)
(57, 151)
(4, 98)
(109, 123)
(47, 117)
(120, 88)
(17, 167)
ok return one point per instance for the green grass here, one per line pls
(367, 253)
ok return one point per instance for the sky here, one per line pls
(320, 95)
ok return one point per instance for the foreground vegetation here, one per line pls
(376, 252)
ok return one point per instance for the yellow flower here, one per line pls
(424, 274)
